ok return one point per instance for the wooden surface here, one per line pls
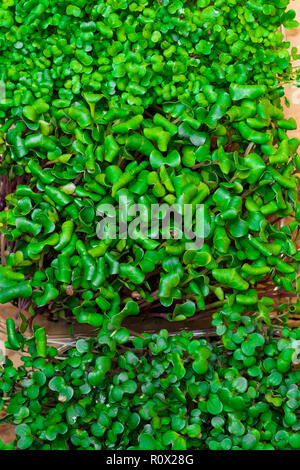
(60, 330)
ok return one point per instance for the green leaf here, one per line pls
(179, 368)
(147, 442)
(240, 384)
(24, 433)
(121, 336)
(200, 366)
(248, 441)
(82, 346)
(214, 405)
(194, 430)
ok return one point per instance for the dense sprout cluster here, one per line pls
(172, 102)
(155, 392)
(167, 102)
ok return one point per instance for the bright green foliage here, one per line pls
(158, 101)
(157, 392)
